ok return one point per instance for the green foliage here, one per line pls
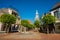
(8, 19)
(37, 23)
(48, 19)
(25, 23)
(30, 26)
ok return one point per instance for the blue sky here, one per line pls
(27, 8)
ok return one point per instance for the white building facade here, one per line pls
(9, 11)
(55, 11)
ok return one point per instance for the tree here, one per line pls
(26, 24)
(37, 23)
(48, 19)
(7, 19)
(31, 26)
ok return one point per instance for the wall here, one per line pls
(52, 13)
(0, 26)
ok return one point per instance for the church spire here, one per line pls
(36, 11)
(36, 17)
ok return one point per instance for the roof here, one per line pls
(3, 10)
(57, 5)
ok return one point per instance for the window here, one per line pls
(57, 14)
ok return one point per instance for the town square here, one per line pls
(29, 19)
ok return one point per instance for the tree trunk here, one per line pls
(20, 28)
(36, 30)
(6, 28)
(47, 30)
(53, 31)
(24, 29)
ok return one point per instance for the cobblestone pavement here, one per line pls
(33, 36)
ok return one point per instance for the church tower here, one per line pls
(36, 17)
